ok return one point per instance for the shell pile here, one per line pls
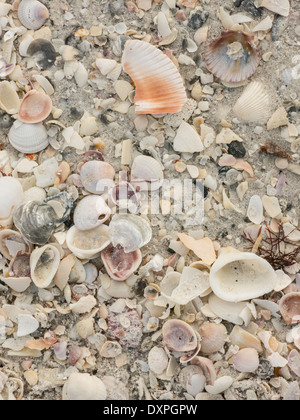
(149, 200)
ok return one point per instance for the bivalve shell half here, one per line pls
(97, 176)
(159, 85)
(179, 336)
(254, 104)
(246, 360)
(9, 99)
(28, 138)
(213, 337)
(32, 14)
(120, 265)
(146, 169)
(233, 57)
(91, 212)
(11, 243)
(35, 107)
(82, 386)
(238, 276)
(289, 306)
(87, 244)
(11, 196)
(44, 263)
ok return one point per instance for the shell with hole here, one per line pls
(11, 196)
(159, 85)
(35, 107)
(254, 104)
(32, 14)
(9, 99)
(238, 276)
(97, 176)
(91, 212)
(44, 263)
(233, 57)
(88, 244)
(289, 306)
(179, 336)
(28, 138)
(130, 231)
(120, 265)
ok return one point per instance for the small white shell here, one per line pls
(254, 103)
(32, 14)
(146, 169)
(157, 360)
(220, 385)
(9, 99)
(213, 337)
(246, 360)
(91, 212)
(44, 263)
(194, 143)
(11, 196)
(82, 386)
(193, 283)
(97, 176)
(229, 311)
(237, 276)
(87, 244)
(28, 138)
(255, 211)
(281, 7)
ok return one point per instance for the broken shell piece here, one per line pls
(87, 244)
(254, 103)
(91, 212)
(207, 367)
(97, 176)
(130, 231)
(237, 276)
(12, 242)
(32, 14)
(157, 91)
(35, 107)
(169, 283)
(233, 57)
(278, 119)
(243, 339)
(44, 264)
(193, 283)
(9, 99)
(280, 7)
(105, 65)
(255, 212)
(82, 386)
(246, 360)
(157, 360)
(187, 140)
(192, 379)
(213, 337)
(203, 248)
(229, 311)
(289, 306)
(28, 138)
(110, 349)
(179, 336)
(11, 196)
(120, 265)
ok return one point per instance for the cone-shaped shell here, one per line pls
(32, 14)
(9, 100)
(233, 57)
(120, 265)
(159, 85)
(44, 263)
(254, 103)
(35, 107)
(28, 138)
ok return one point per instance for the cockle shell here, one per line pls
(44, 53)
(213, 337)
(87, 244)
(179, 336)
(44, 263)
(120, 265)
(28, 138)
(159, 86)
(280, 7)
(238, 276)
(233, 57)
(11, 196)
(9, 99)
(12, 242)
(246, 360)
(35, 107)
(91, 212)
(32, 14)
(289, 306)
(130, 231)
(82, 386)
(97, 176)
(146, 169)
(254, 104)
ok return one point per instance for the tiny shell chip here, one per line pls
(233, 57)
(255, 210)
(159, 86)
(179, 336)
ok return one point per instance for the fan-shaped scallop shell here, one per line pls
(32, 14)
(159, 85)
(28, 138)
(233, 57)
(35, 107)
(254, 103)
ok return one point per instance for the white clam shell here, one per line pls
(254, 104)
(158, 360)
(97, 176)
(11, 196)
(255, 211)
(246, 360)
(82, 386)
(238, 276)
(130, 231)
(87, 244)
(9, 99)
(32, 14)
(28, 138)
(220, 385)
(44, 263)
(91, 212)
(146, 169)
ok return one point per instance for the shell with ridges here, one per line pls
(44, 263)
(28, 138)
(159, 86)
(213, 337)
(32, 14)
(35, 107)
(254, 103)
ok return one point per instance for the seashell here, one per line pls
(5, 121)
(18, 284)
(255, 211)
(237, 276)
(169, 283)
(110, 349)
(130, 231)
(192, 379)
(9, 99)
(91, 212)
(82, 386)
(87, 244)
(28, 138)
(157, 360)
(221, 384)
(125, 196)
(146, 169)
(254, 104)
(280, 7)
(105, 65)
(179, 336)
(233, 57)
(193, 283)
(44, 53)
(229, 311)
(194, 143)
(20, 265)
(246, 360)
(35, 107)
(120, 265)
(116, 390)
(32, 14)
(11, 196)
(157, 91)
(213, 337)
(243, 339)
(44, 263)
(289, 306)
(207, 367)
(97, 176)
(27, 324)
(11, 243)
